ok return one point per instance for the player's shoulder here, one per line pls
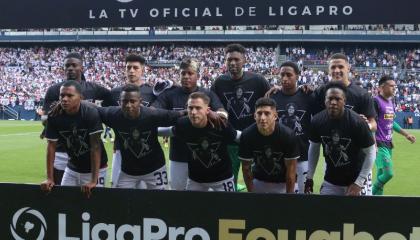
(354, 118)
(319, 117)
(117, 89)
(55, 87)
(253, 75)
(357, 91)
(250, 131)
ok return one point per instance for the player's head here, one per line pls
(335, 98)
(70, 96)
(235, 59)
(265, 115)
(290, 109)
(130, 101)
(339, 68)
(387, 86)
(189, 73)
(289, 74)
(73, 66)
(198, 108)
(134, 68)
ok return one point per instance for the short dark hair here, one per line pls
(336, 84)
(73, 83)
(131, 88)
(292, 65)
(265, 102)
(74, 55)
(135, 58)
(200, 95)
(235, 48)
(190, 62)
(384, 79)
(339, 56)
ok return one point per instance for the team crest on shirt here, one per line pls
(206, 152)
(335, 149)
(74, 140)
(269, 161)
(238, 102)
(136, 142)
(291, 117)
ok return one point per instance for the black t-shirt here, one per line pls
(209, 161)
(146, 93)
(91, 92)
(73, 131)
(140, 149)
(342, 141)
(147, 96)
(268, 153)
(295, 111)
(176, 99)
(239, 96)
(357, 99)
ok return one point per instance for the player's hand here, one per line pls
(87, 188)
(216, 121)
(354, 190)
(47, 185)
(272, 91)
(364, 118)
(411, 138)
(307, 89)
(309, 186)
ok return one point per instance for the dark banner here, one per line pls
(113, 214)
(125, 13)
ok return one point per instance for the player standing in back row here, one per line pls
(239, 90)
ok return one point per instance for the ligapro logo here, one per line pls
(28, 224)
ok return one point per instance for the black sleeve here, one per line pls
(106, 96)
(368, 107)
(115, 93)
(51, 132)
(245, 150)
(215, 103)
(104, 114)
(363, 134)
(230, 133)
(165, 118)
(319, 100)
(292, 147)
(313, 134)
(51, 96)
(94, 121)
(178, 129)
(265, 84)
(161, 101)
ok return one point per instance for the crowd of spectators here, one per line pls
(26, 73)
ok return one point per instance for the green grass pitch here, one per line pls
(22, 158)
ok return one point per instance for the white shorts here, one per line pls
(157, 180)
(301, 171)
(328, 188)
(116, 167)
(61, 160)
(178, 175)
(226, 185)
(268, 187)
(72, 178)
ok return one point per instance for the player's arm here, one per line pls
(396, 127)
(313, 157)
(247, 174)
(290, 174)
(48, 184)
(95, 161)
(355, 188)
